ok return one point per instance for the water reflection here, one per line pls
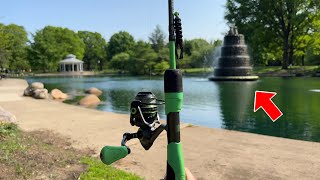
(236, 100)
(226, 105)
(300, 106)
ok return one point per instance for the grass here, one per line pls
(45, 155)
(197, 70)
(292, 70)
(97, 170)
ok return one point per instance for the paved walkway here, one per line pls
(209, 153)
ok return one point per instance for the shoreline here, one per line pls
(261, 71)
(208, 152)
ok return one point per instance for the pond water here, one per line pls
(227, 105)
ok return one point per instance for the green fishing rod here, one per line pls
(144, 113)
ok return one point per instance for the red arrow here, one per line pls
(262, 99)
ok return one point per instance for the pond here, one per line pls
(227, 105)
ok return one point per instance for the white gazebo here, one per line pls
(71, 64)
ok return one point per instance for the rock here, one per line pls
(94, 91)
(28, 91)
(57, 94)
(40, 94)
(6, 116)
(89, 100)
(37, 85)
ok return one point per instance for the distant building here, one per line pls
(71, 64)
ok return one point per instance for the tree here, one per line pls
(52, 44)
(120, 42)
(273, 23)
(143, 58)
(95, 49)
(159, 68)
(13, 46)
(120, 61)
(157, 39)
(197, 51)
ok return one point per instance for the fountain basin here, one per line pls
(233, 78)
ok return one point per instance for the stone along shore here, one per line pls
(209, 153)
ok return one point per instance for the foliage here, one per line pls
(120, 42)
(52, 44)
(97, 170)
(122, 52)
(13, 46)
(8, 129)
(274, 26)
(198, 53)
(157, 39)
(142, 59)
(120, 61)
(161, 67)
(95, 49)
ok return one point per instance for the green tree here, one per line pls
(159, 68)
(120, 61)
(120, 42)
(95, 49)
(143, 58)
(199, 52)
(13, 46)
(52, 44)
(157, 39)
(272, 23)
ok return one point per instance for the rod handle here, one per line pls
(111, 154)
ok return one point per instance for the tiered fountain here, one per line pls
(234, 62)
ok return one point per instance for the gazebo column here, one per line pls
(72, 67)
(64, 67)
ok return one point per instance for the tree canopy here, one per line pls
(95, 49)
(157, 39)
(13, 46)
(120, 42)
(52, 44)
(274, 28)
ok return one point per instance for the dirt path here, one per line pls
(209, 153)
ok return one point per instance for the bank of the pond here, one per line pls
(209, 153)
(46, 155)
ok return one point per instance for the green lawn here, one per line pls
(42, 154)
(277, 70)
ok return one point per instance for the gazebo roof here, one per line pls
(71, 59)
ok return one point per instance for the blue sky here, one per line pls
(200, 18)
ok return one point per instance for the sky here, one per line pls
(200, 18)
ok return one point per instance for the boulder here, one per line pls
(40, 94)
(28, 91)
(94, 91)
(58, 94)
(89, 100)
(37, 85)
(6, 116)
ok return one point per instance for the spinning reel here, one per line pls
(143, 114)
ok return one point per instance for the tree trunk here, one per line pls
(101, 65)
(291, 51)
(302, 60)
(285, 51)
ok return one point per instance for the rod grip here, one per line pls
(111, 154)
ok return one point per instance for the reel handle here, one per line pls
(111, 154)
